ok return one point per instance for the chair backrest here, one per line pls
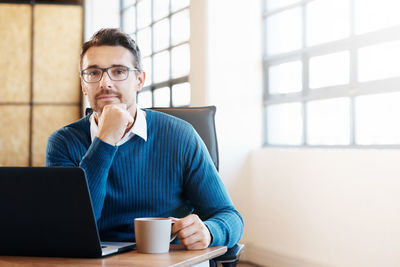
(203, 121)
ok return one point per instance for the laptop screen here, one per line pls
(46, 211)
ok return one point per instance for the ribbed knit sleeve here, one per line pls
(208, 195)
(96, 163)
(57, 150)
(67, 147)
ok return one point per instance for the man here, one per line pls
(140, 163)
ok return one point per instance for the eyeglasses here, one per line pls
(116, 73)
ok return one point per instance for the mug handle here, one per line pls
(173, 236)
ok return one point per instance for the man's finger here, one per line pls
(121, 105)
(187, 231)
(195, 237)
(196, 246)
(173, 219)
(182, 223)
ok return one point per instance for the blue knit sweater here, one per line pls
(171, 174)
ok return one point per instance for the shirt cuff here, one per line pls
(216, 238)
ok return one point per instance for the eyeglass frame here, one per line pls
(106, 71)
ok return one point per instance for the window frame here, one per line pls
(171, 81)
(351, 90)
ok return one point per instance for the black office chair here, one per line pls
(203, 121)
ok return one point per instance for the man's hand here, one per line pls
(192, 232)
(113, 123)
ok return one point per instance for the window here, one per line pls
(331, 72)
(162, 30)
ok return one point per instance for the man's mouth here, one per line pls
(106, 97)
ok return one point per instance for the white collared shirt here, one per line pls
(139, 128)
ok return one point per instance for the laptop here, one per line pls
(47, 211)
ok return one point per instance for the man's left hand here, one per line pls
(192, 232)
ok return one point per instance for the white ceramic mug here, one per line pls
(153, 235)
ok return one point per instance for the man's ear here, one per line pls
(141, 77)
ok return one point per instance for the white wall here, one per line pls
(234, 86)
(199, 53)
(324, 208)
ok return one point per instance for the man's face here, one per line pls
(107, 91)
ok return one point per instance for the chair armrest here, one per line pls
(231, 255)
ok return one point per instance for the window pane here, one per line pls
(328, 122)
(278, 81)
(285, 124)
(178, 4)
(144, 41)
(377, 119)
(328, 70)
(161, 35)
(161, 97)
(181, 94)
(129, 22)
(274, 4)
(143, 13)
(147, 69)
(180, 57)
(133, 36)
(371, 15)
(180, 27)
(327, 21)
(284, 32)
(126, 3)
(161, 9)
(144, 99)
(161, 67)
(379, 61)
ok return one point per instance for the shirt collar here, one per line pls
(139, 128)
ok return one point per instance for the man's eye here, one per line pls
(119, 71)
(94, 73)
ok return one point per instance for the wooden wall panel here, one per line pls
(15, 52)
(57, 44)
(14, 135)
(47, 119)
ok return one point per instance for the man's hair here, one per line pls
(114, 37)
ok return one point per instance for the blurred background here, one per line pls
(307, 95)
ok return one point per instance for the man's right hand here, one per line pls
(113, 123)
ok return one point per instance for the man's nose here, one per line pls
(105, 81)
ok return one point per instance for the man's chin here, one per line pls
(102, 103)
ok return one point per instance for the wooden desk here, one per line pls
(177, 256)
